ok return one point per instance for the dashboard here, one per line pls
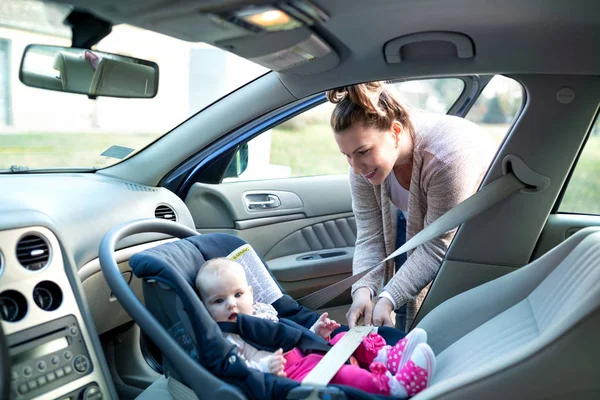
(54, 301)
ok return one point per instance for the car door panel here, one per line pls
(229, 199)
(307, 238)
(559, 227)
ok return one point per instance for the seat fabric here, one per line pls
(532, 333)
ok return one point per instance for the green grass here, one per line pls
(56, 150)
(583, 193)
(289, 147)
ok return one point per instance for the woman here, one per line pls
(421, 164)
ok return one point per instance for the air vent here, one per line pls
(33, 252)
(165, 212)
(140, 188)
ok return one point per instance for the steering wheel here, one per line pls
(5, 367)
(207, 387)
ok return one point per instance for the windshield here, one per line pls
(44, 129)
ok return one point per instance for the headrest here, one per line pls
(175, 264)
(119, 78)
(75, 72)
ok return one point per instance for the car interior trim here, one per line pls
(71, 306)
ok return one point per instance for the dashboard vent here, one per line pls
(33, 252)
(165, 212)
(140, 188)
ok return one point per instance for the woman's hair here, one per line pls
(369, 104)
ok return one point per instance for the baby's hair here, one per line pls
(213, 268)
(370, 104)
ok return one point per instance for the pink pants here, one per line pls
(358, 376)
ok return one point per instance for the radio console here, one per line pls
(47, 356)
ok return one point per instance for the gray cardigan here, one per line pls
(450, 158)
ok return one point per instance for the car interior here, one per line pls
(514, 310)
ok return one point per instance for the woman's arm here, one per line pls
(370, 248)
(445, 186)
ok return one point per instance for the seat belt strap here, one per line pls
(484, 199)
(333, 360)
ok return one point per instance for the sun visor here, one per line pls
(298, 51)
(277, 36)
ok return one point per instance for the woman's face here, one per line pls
(370, 152)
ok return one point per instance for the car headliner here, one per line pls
(510, 37)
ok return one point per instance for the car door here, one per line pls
(286, 191)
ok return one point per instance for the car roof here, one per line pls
(510, 37)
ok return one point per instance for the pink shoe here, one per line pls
(416, 375)
(395, 357)
(381, 377)
(369, 348)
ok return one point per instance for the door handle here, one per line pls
(269, 201)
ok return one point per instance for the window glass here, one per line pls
(433, 95)
(497, 106)
(303, 145)
(583, 193)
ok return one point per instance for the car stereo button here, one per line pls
(92, 392)
(51, 376)
(41, 365)
(60, 373)
(14, 376)
(73, 331)
(80, 363)
(55, 360)
(27, 371)
(68, 370)
(67, 355)
(23, 388)
(32, 384)
(42, 380)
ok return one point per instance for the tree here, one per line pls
(494, 113)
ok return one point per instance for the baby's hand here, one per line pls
(324, 326)
(276, 363)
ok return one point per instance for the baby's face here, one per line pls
(228, 295)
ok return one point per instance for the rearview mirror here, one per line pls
(89, 72)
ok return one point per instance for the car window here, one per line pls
(583, 191)
(497, 107)
(302, 146)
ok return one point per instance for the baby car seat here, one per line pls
(168, 272)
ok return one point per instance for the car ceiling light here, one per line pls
(269, 19)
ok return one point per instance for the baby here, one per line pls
(402, 370)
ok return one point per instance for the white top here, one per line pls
(254, 358)
(398, 195)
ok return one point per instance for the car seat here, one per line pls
(123, 79)
(529, 334)
(76, 73)
(169, 270)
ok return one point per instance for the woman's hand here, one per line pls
(276, 363)
(382, 314)
(362, 306)
(324, 326)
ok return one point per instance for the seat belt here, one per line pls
(333, 360)
(485, 198)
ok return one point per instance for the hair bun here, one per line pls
(337, 95)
